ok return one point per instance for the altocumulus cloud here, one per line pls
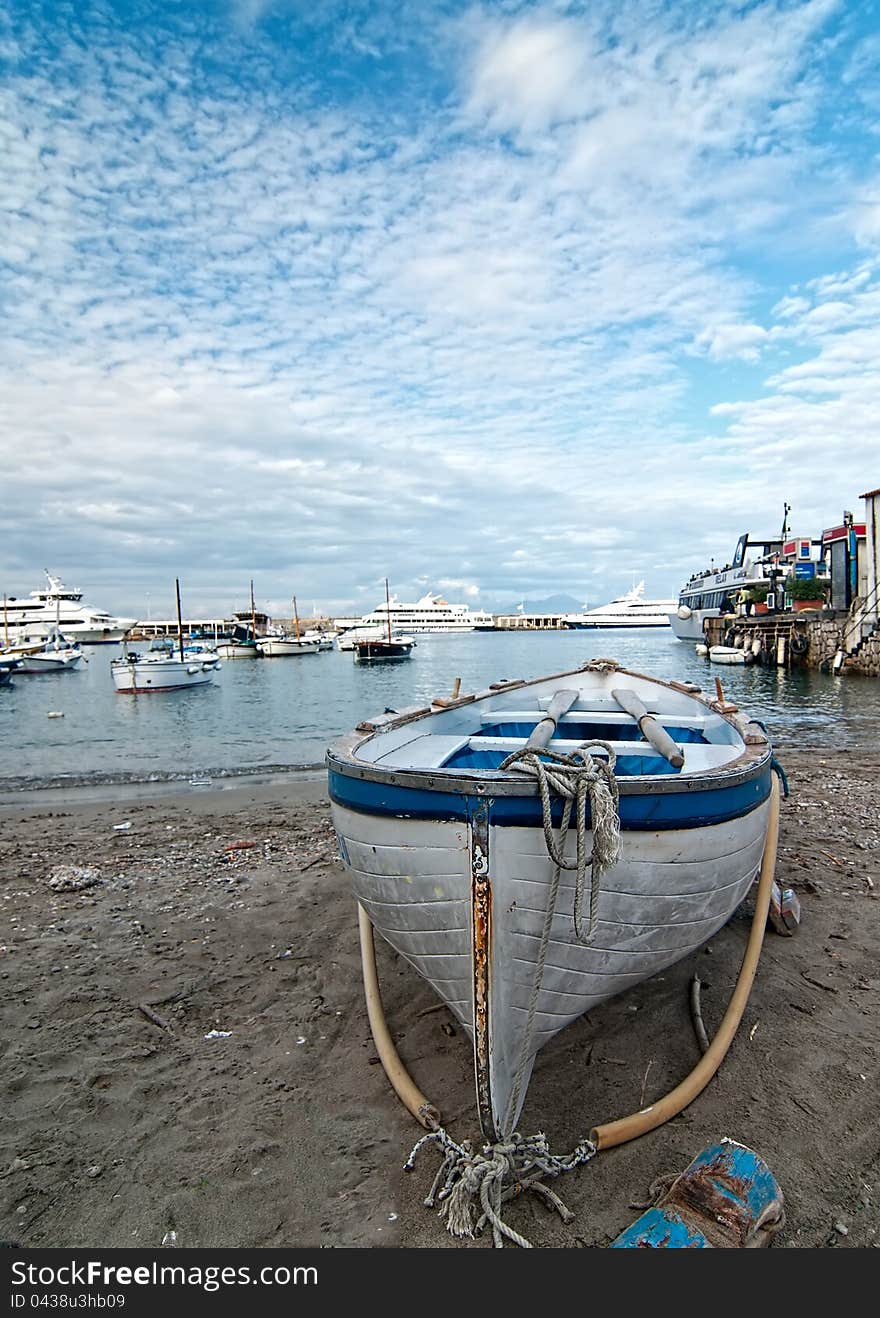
(516, 297)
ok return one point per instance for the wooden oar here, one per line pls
(652, 731)
(543, 731)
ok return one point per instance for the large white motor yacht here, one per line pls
(59, 608)
(430, 614)
(629, 610)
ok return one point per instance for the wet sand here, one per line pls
(185, 1046)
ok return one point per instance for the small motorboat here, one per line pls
(159, 671)
(55, 654)
(164, 667)
(453, 824)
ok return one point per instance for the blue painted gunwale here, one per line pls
(641, 808)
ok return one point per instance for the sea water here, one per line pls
(278, 714)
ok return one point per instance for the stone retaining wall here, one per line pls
(826, 638)
(825, 630)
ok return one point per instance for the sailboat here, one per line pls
(241, 642)
(161, 670)
(282, 644)
(390, 646)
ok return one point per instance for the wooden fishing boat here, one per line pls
(392, 646)
(542, 846)
(240, 642)
(284, 644)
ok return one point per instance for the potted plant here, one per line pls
(806, 592)
(755, 599)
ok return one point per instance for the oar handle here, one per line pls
(652, 731)
(542, 732)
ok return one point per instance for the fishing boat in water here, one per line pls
(453, 824)
(282, 644)
(391, 646)
(240, 641)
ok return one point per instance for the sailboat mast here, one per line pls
(387, 609)
(179, 619)
(253, 612)
(5, 622)
(295, 619)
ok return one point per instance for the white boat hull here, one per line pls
(168, 673)
(45, 661)
(233, 650)
(654, 909)
(691, 627)
(283, 647)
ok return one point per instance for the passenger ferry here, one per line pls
(629, 610)
(710, 593)
(430, 614)
(58, 607)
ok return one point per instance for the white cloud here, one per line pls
(722, 342)
(370, 337)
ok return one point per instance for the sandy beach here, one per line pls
(186, 1048)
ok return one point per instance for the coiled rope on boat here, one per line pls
(579, 778)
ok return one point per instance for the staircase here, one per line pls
(863, 623)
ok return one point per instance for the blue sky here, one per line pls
(500, 300)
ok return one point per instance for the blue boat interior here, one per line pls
(474, 740)
(629, 760)
(469, 758)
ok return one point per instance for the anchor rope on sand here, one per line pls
(503, 1171)
(516, 1163)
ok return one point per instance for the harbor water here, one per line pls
(275, 715)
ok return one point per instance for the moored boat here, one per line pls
(429, 615)
(629, 610)
(237, 646)
(444, 832)
(729, 654)
(384, 648)
(136, 674)
(55, 656)
(714, 591)
(240, 641)
(8, 665)
(283, 644)
(61, 606)
(391, 646)
(163, 668)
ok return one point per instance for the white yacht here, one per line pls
(712, 592)
(430, 614)
(629, 610)
(59, 608)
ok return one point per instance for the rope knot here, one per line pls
(469, 1180)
